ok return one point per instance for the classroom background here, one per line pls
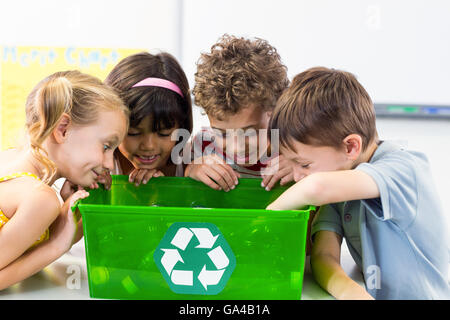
(399, 50)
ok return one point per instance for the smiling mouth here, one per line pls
(147, 159)
(241, 159)
(96, 174)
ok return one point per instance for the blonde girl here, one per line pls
(74, 123)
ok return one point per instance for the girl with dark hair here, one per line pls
(156, 91)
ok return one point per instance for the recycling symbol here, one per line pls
(195, 258)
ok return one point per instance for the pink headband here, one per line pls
(157, 82)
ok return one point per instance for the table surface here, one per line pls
(54, 282)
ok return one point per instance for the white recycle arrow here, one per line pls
(182, 238)
(209, 277)
(170, 259)
(205, 237)
(218, 257)
(182, 277)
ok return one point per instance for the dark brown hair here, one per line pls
(167, 108)
(238, 72)
(323, 106)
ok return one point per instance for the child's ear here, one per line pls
(60, 131)
(353, 146)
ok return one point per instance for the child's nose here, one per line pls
(148, 143)
(239, 147)
(243, 145)
(108, 161)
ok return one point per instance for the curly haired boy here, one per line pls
(238, 84)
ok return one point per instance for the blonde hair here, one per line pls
(76, 94)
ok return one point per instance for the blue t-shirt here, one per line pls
(399, 240)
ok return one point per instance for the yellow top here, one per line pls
(4, 219)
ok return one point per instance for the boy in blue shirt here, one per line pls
(378, 196)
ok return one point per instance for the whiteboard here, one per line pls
(399, 50)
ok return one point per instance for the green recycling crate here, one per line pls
(176, 238)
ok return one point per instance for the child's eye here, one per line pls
(251, 133)
(106, 147)
(165, 133)
(133, 134)
(305, 166)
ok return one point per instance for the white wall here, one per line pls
(398, 49)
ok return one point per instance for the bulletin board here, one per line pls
(22, 67)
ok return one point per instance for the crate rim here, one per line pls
(199, 212)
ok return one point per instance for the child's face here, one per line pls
(307, 159)
(89, 149)
(146, 149)
(241, 148)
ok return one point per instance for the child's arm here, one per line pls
(327, 270)
(327, 187)
(212, 171)
(17, 262)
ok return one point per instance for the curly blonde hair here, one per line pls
(238, 72)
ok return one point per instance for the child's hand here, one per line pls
(214, 172)
(68, 189)
(67, 229)
(139, 176)
(278, 168)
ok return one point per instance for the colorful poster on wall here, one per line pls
(21, 68)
